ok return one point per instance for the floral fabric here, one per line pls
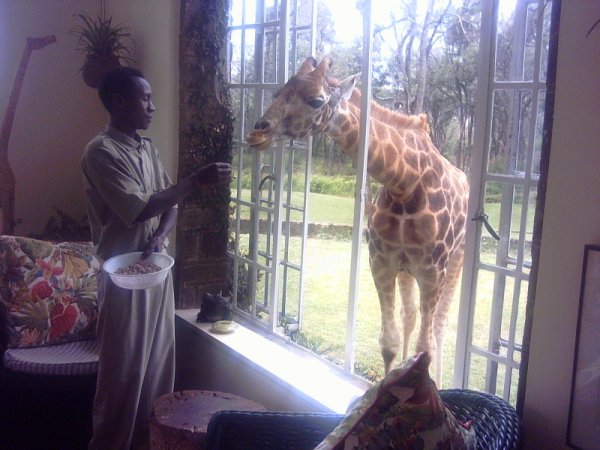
(403, 411)
(49, 291)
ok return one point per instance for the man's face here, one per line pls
(138, 107)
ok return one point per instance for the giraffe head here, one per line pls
(303, 106)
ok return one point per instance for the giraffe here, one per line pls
(416, 225)
(7, 177)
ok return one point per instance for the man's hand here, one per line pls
(154, 244)
(213, 174)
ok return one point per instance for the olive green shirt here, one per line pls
(120, 174)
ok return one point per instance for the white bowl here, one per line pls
(141, 281)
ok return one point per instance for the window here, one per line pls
(300, 264)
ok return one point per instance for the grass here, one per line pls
(323, 208)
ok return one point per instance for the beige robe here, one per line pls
(135, 327)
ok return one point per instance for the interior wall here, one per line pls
(57, 114)
(571, 220)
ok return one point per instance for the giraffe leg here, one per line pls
(430, 285)
(408, 310)
(440, 319)
(389, 338)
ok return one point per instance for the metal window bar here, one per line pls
(359, 200)
(269, 195)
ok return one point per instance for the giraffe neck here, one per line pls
(394, 151)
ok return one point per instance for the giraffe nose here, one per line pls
(263, 125)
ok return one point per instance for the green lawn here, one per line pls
(322, 208)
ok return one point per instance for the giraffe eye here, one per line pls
(315, 103)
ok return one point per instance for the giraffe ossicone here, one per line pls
(416, 225)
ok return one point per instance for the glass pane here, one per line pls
(531, 27)
(368, 362)
(520, 325)
(529, 231)
(513, 230)
(236, 176)
(499, 373)
(301, 12)
(483, 309)
(515, 40)
(262, 297)
(299, 49)
(251, 44)
(251, 16)
(235, 13)
(244, 295)
(235, 56)
(236, 102)
(271, 10)
(511, 118)
(491, 206)
(477, 373)
(545, 40)
(289, 299)
(539, 133)
(268, 97)
(271, 50)
(506, 286)
(514, 387)
(326, 281)
(251, 112)
(264, 241)
(245, 177)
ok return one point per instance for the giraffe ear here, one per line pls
(307, 66)
(347, 86)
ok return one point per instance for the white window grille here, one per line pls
(269, 39)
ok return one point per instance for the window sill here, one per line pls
(285, 364)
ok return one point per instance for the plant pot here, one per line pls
(95, 66)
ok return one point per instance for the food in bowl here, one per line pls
(138, 268)
(138, 280)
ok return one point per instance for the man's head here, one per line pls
(127, 97)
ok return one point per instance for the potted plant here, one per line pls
(104, 45)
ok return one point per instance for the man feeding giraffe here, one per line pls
(416, 226)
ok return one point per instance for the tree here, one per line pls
(451, 105)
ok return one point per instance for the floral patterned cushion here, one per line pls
(403, 411)
(48, 291)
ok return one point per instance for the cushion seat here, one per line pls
(73, 358)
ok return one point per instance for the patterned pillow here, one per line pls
(403, 411)
(48, 291)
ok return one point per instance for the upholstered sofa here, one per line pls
(48, 315)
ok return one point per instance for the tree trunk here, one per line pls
(205, 136)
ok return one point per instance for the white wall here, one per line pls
(572, 219)
(57, 113)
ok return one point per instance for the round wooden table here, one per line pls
(180, 419)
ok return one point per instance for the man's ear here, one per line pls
(119, 102)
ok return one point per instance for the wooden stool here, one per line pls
(180, 419)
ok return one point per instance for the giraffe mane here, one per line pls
(394, 118)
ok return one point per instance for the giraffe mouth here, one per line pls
(259, 140)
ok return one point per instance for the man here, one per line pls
(132, 206)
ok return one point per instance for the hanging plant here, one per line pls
(104, 44)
